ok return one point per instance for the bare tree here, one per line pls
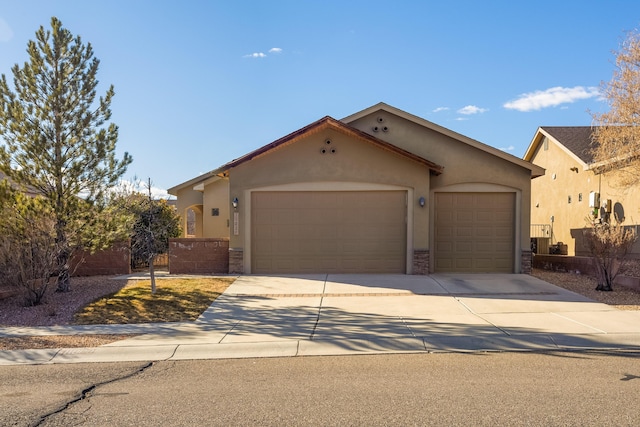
(28, 248)
(150, 224)
(616, 144)
(608, 244)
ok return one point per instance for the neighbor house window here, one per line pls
(545, 143)
(569, 199)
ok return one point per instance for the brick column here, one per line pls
(420, 261)
(525, 263)
(236, 261)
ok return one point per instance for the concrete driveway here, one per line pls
(332, 314)
(306, 315)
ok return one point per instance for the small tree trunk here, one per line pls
(153, 276)
(64, 254)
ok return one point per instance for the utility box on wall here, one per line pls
(594, 199)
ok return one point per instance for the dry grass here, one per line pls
(114, 301)
(175, 300)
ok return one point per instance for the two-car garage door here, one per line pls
(366, 232)
(328, 232)
(474, 232)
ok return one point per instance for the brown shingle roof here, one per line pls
(577, 139)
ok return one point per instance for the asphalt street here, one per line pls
(493, 388)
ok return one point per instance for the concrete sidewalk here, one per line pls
(280, 316)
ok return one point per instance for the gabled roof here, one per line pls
(323, 124)
(576, 141)
(536, 171)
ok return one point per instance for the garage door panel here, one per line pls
(329, 232)
(463, 231)
(474, 232)
(462, 216)
(485, 216)
(483, 247)
(463, 247)
(483, 231)
(462, 263)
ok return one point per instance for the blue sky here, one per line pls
(199, 83)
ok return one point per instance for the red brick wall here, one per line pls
(116, 260)
(564, 263)
(199, 256)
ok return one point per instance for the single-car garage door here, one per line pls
(474, 232)
(328, 232)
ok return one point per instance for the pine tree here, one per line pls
(57, 135)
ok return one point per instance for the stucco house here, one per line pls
(573, 189)
(380, 191)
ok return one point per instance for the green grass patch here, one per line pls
(175, 300)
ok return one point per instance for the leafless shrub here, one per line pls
(608, 245)
(28, 252)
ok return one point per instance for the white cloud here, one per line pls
(471, 109)
(437, 110)
(509, 148)
(551, 97)
(275, 50)
(6, 33)
(255, 55)
(135, 186)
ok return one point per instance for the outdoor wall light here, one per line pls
(421, 201)
(235, 203)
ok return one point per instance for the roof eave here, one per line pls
(535, 170)
(193, 181)
(328, 122)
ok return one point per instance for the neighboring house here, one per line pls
(380, 191)
(565, 199)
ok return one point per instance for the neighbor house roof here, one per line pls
(536, 171)
(574, 140)
(315, 127)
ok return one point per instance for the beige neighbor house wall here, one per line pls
(355, 166)
(216, 197)
(470, 166)
(560, 198)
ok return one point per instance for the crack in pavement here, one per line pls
(86, 393)
(324, 289)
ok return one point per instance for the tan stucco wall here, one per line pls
(466, 168)
(216, 195)
(356, 165)
(550, 194)
(189, 198)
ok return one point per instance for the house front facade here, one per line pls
(573, 193)
(380, 191)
